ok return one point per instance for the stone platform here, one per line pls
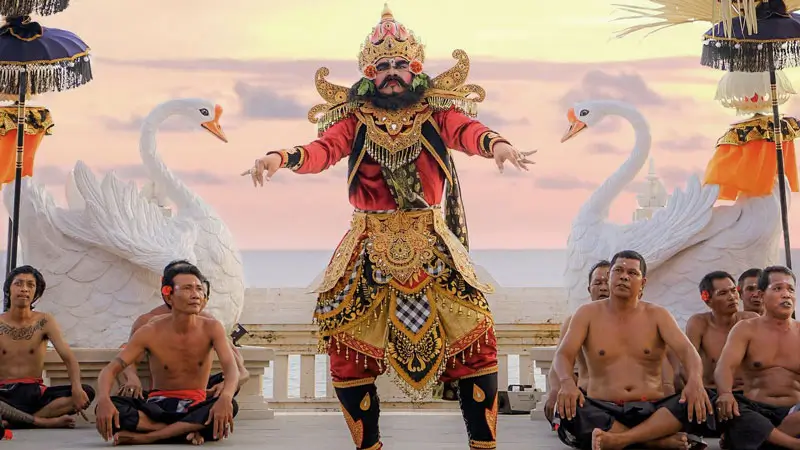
(289, 431)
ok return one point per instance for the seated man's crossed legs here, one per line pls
(761, 426)
(166, 416)
(599, 424)
(50, 406)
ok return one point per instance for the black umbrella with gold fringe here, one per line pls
(35, 60)
(13, 8)
(746, 36)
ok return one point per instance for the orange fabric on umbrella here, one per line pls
(745, 160)
(38, 124)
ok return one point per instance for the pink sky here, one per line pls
(266, 100)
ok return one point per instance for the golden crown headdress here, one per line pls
(389, 39)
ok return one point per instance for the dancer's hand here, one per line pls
(568, 400)
(106, 418)
(131, 388)
(505, 152)
(727, 407)
(269, 163)
(695, 396)
(215, 390)
(221, 415)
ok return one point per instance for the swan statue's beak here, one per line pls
(213, 125)
(575, 125)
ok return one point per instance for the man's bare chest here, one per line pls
(768, 350)
(608, 343)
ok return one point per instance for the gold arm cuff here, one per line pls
(487, 142)
(293, 158)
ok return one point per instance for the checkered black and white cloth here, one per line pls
(413, 311)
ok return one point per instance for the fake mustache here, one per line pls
(394, 78)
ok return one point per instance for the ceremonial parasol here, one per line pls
(12, 8)
(35, 60)
(746, 36)
(763, 37)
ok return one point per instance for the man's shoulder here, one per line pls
(587, 309)
(208, 322)
(746, 315)
(699, 319)
(43, 318)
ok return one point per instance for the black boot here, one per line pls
(478, 399)
(361, 408)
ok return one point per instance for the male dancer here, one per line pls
(400, 291)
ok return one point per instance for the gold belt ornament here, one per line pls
(400, 243)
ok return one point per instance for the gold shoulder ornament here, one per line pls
(447, 90)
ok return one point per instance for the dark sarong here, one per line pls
(167, 408)
(756, 420)
(577, 433)
(29, 395)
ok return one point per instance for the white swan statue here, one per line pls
(103, 257)
(681, 242)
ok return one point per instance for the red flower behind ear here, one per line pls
(415, 67)
(8, 435)
(370, 72)
(705, 296)
(166, 290)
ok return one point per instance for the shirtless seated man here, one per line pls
(598, 290)
(624, 340)
(178, 408)
(24, 333)
(131, 385)
(765, 348)
(708, 331)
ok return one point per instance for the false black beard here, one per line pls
(391, 102)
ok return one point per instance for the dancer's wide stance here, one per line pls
(400, 292)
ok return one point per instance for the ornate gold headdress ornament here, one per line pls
(389, 38)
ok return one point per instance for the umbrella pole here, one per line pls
(773, 86)
(8, 246)
(23, 85)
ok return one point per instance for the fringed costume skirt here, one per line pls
(401, 294)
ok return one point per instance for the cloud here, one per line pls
(677, 176)
(604, 148)
(563, 183)
(173, 124)
(138, 172)
(660, 69)
(260, 102)
(627, 87)
(50, 174)
(495, 121)
(689, 144)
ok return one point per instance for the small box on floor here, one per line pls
(518, 399)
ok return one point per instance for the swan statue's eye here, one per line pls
(204, 111)
(584, 112)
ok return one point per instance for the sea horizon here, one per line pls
(511, 268)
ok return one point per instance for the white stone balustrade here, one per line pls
(300, 340)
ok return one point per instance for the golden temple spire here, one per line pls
(387, 13)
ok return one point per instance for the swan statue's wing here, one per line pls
(682, 223)
(751, 237)
(95, 294)
(118, 219)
